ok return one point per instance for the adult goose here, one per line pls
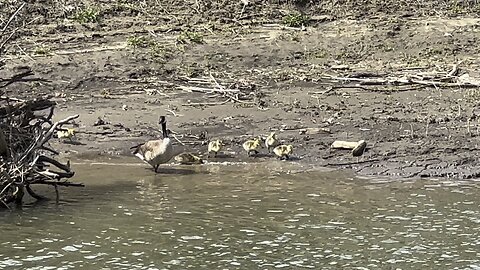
(156, 152)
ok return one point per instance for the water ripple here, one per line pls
(251, 220)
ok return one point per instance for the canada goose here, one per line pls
(156, 152)
(251, 146)
(214, 147)
(66, 134)
(188, 159)
(283, 151)
(271, 141)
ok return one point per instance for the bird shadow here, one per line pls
(220, 156)
(273, 156)
(261, 155)
(74, 143)
(171, 171)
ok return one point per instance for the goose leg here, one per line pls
(156, 168)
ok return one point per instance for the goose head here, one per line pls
(163, 121)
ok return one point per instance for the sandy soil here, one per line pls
(130, 63)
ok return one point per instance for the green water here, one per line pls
(244, 217)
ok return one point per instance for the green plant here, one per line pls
(135, 42)
(160, 53)
(87, 15)
(42, 50)
(190, 37)
(296, 20)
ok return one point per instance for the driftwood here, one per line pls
(236, 92)
(358, 148)
(343, 145)
(25, 128)
(431, 79)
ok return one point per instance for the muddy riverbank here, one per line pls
(399, 77)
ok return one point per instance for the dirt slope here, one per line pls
(234, 71)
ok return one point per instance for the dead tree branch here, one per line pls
(25, 160)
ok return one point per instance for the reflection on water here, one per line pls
(245, 217)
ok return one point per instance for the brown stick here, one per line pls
(2, 46)
(43, 139)
(12, 17)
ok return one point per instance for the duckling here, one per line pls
(271, 141)
(188, 159)
(251, 146)
(214, 147)
(156, 152)
(283, 151)
(66, 134)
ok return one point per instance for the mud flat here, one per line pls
(404, 77)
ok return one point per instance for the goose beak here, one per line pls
(162, 119)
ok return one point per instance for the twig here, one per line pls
(24, 53)
(205, 103)
(217, 84)
(172, 112)
(43, 139)
(16, 78)
(454, 70)
(402, 81)
(175, 137)
(206, 90)
(2, 45)
(11, 18)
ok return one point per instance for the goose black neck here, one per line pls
(164, 129)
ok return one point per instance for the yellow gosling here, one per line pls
(271, 141)
(283, 151)
(251, 146)
(214, 147)
(66, 134)
(188, 159)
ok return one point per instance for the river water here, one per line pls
(243, 216)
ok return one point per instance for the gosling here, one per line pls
(66, 134)
(188, 159)
(271, 141)
(156, 152)
(214, 147)
(283, 151)
(251, 146)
